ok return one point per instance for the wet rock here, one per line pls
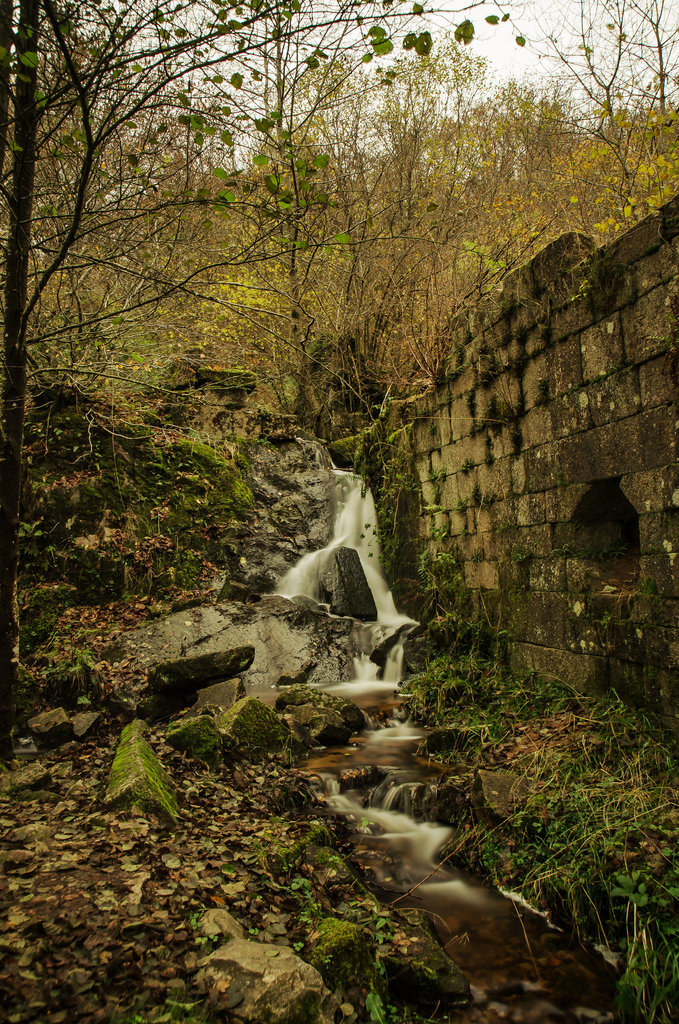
(360, 778)
(345, 588)
(444, 739)
(451, 804)
(297, 696)
(417, 651)
(84, 724)
(397, 792)
(329, 869)
(221, 695)
(138, 779)
(284, 854)
(269, 983)
(33, 776)
(294, 679)
(496, 794)
(342, 451)
(380, 654)
(51, 728)
(251, 730)
(219, 922)
(325, 727)
(420, 970)
(198, 737)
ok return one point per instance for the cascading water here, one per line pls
(401, 851)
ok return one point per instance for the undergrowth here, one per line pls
(596, 843)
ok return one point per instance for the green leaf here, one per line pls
(343, 237)
(220, 173)
(520, 41)
(464, 33)
(313, 62)
(505, 17)
(227, 138)
(367, 57)
(377, 32)
(418, 9)
(236, 80)
(137, 68)
(272, 183)
(383, 48)
(261, 160)
(321, 160)
(423, 44)
(228, 197)
(492, 19)
(262, 124)
(29, 59)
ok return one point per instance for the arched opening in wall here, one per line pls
(607, 534)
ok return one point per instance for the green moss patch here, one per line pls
(283, 853)
(198, 737)
(342, 956)
(138, 779)
(251, 729)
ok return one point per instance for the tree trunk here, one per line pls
(14, 368)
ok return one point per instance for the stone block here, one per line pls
(503, 514)
(530, 509)
(460, 418)
(536, 426)
(564, 365)
(535, 372)
(535, 541)
(547, 574)
(422, 441)
(635, 243)
(638, 442)
(561, 502)
(542, 467)
(602, 348)
(659, 532)
(436, 462)
(423, 467)
(651, 490)
(519, 474)
(513, 579)
(660, 611)
(615, 397)
(483, 520)
(449, 493)
(539, 617)
(583, 575)
(658, 381)
(569, 414)
(588, 674)
(656, 268)
(481, 575)
(646, 326)
(663, 570)
(575, 315)
(457, 524)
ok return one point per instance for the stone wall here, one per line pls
(547, 461)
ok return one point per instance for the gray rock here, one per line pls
(217, 922)
(222, 695)
(268, 983)
(345, 588)
(496, 794)
(84, 723)
(51, 728)
(32, 776)
(197, 671)
(420, 970)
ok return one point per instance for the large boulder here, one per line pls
(252, 730)
(345, 588)
(299, 695)
(51, 728)
(419, 969)
(223, 695)
(343, 958)
(269, 984)
(138, 779)
(323, 726)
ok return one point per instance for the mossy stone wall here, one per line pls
(546, 461)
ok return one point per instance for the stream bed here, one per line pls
(520, 968)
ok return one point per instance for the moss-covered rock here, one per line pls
(282, 854)
(343, 958)
(324, 726)
(251, 729)
(198, 737)
(194, 673)
(137, 777)
(419, 969)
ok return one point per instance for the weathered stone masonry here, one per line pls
(548, 461)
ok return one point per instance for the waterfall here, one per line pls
(355, 527)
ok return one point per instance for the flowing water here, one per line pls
(519, 967)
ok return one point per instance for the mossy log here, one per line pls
(138, 779)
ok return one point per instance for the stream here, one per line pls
(520, 968)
